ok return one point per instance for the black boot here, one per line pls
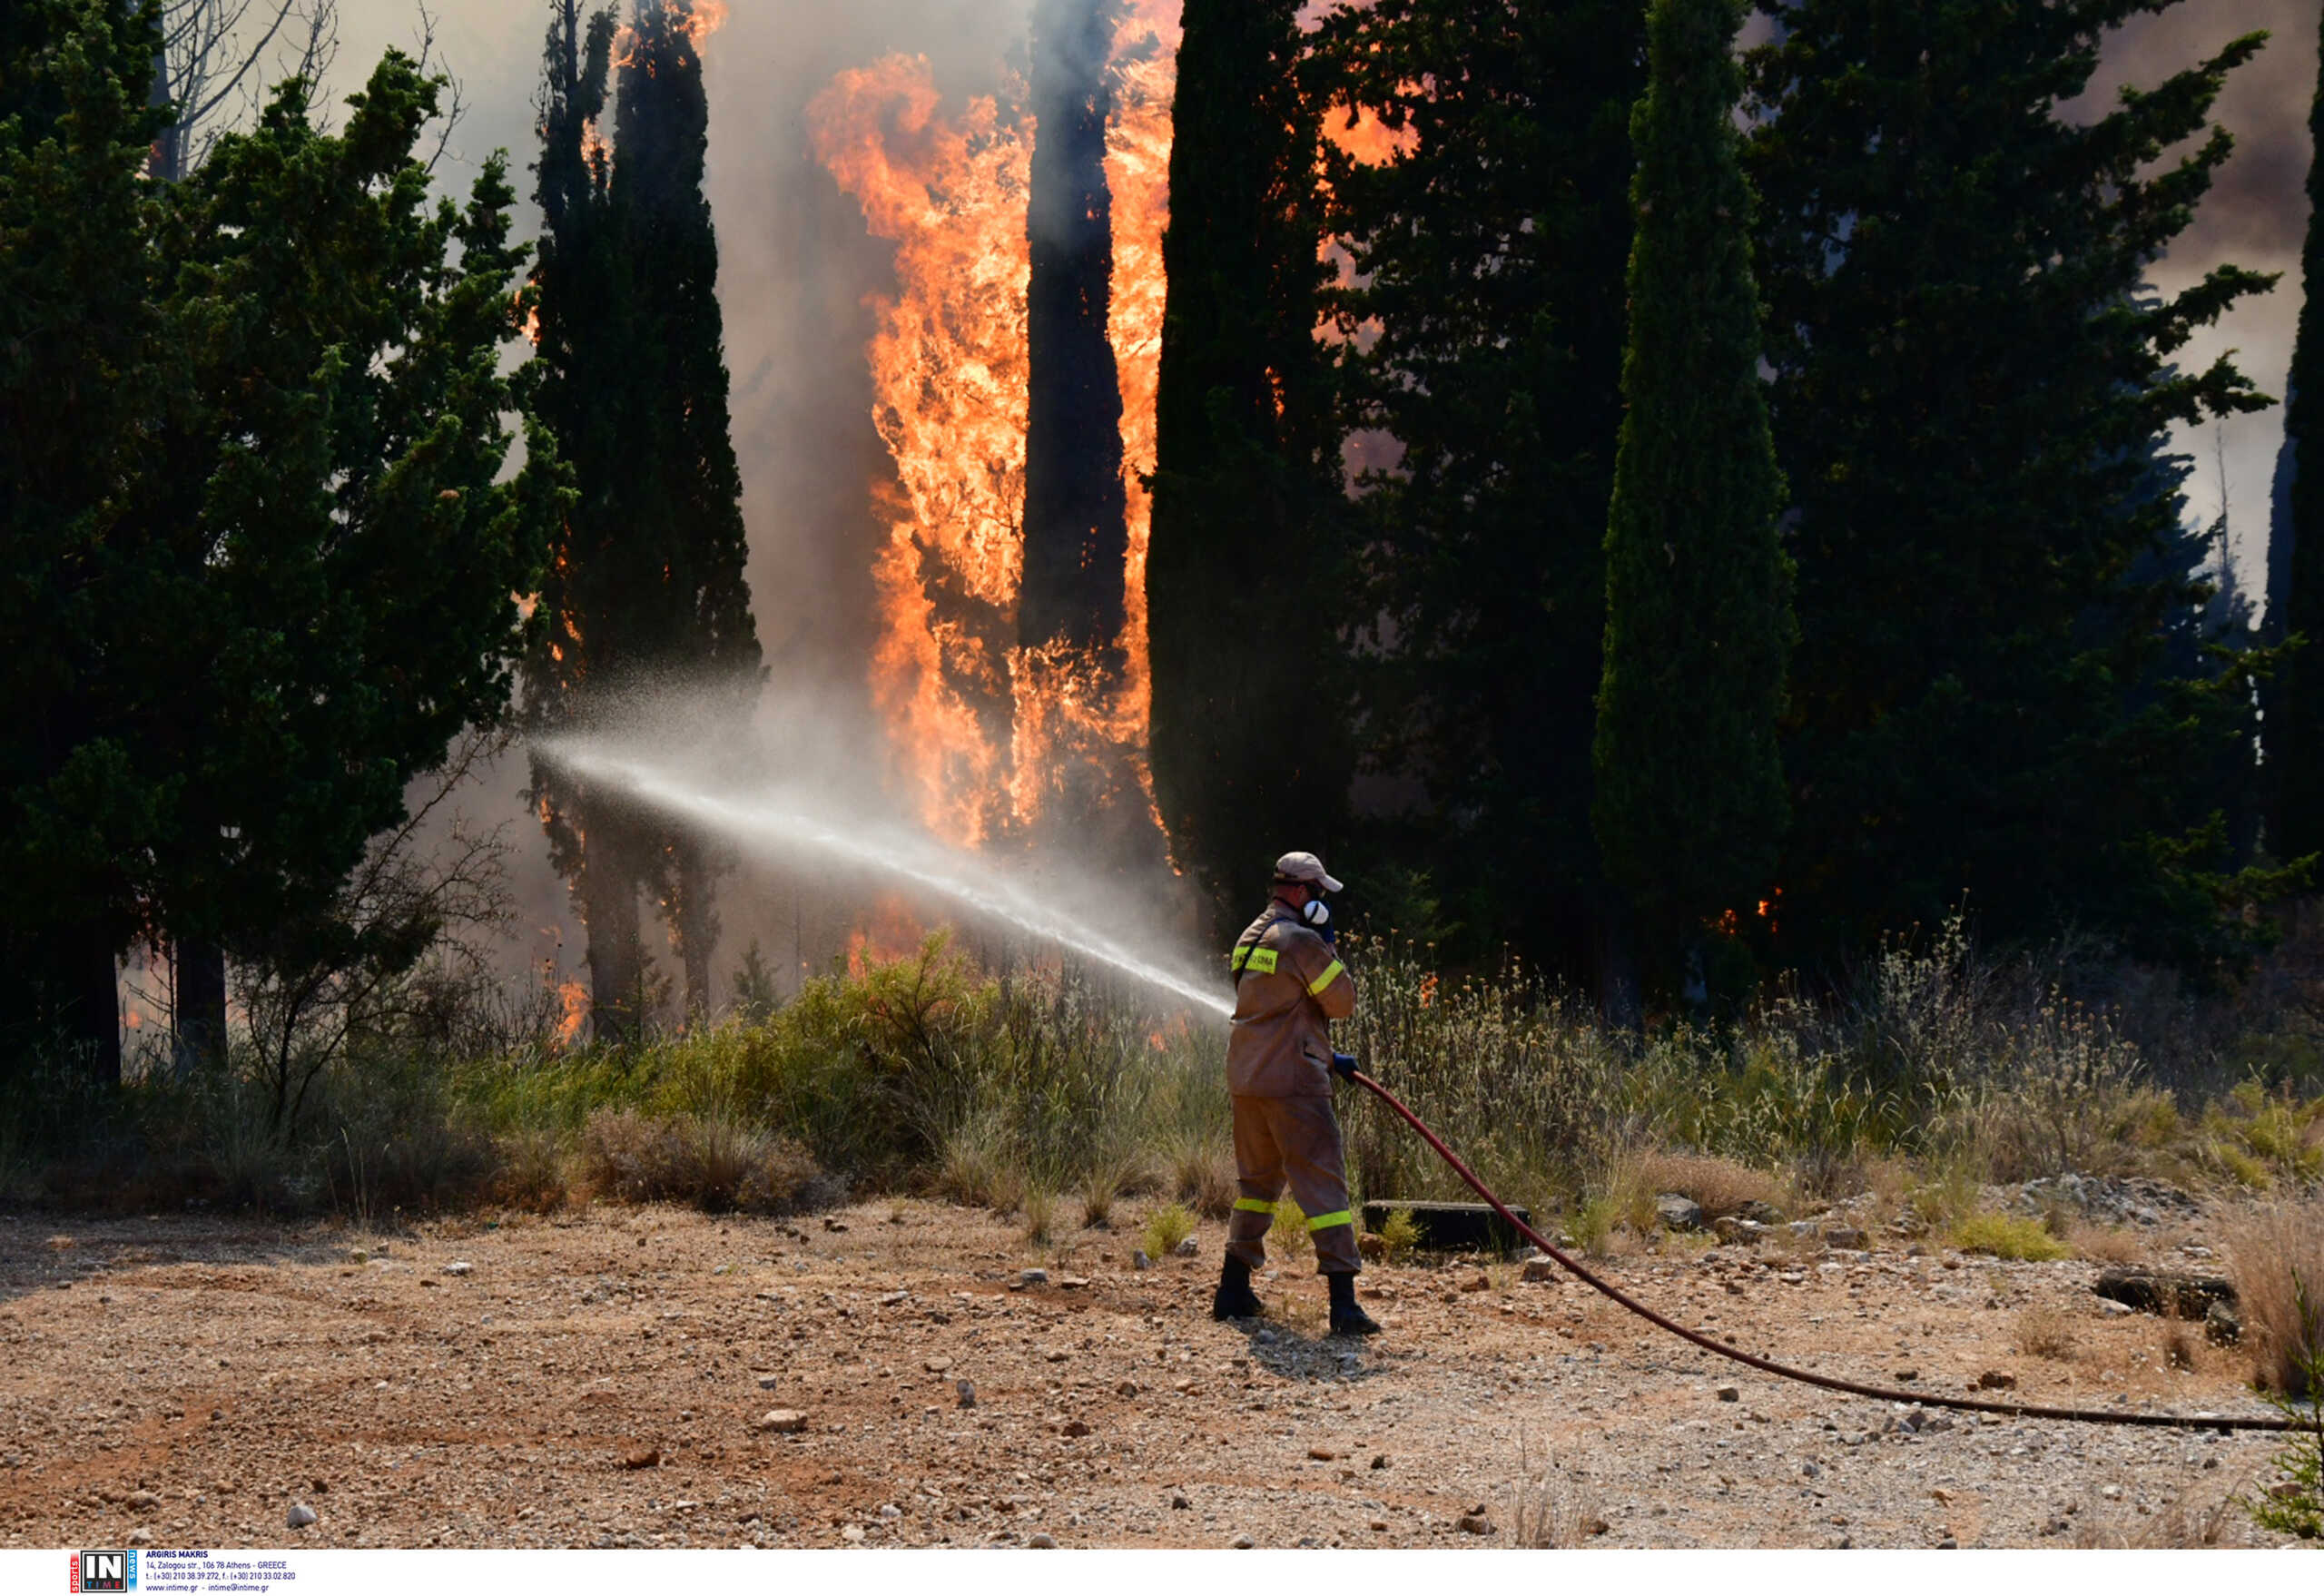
(1236, 1299)
(1347, 1319)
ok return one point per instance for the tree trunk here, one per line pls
(90, 1004)
(1076, 537)
(199, 975)
(694, 922)
(616, 965)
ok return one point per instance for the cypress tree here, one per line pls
(2294, 734)
(645, 592)
(80, 374)
(1242, 590)
(1970, 395)
(1690, 805)
(1076, 539)
(1482, 333)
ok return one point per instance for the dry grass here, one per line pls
(1722, 1186)
(2276, 1253)
(1399, 1233)
(2180, 1525)
(2044, 1332)
(1288, 1236)
(1038, 1212)
(1204, 1177)
(2104, 1244)
(711, 1161)
(532, 1172)
(2178, 1345)
(1547, 1511)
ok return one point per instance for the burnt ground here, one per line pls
(602, 1379)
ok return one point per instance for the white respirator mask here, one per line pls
(1317, 913)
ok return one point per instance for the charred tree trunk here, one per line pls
(1076, 539)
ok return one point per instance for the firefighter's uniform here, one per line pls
(1288, 984)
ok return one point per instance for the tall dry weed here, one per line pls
(2276, 1255)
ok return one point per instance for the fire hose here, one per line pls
(2017, 1410)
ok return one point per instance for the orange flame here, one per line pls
(978, 723)
(575, 998)
(1364, 139)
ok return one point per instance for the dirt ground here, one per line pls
(605, 1379)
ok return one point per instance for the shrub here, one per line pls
(1399, 1233)
(2009, 1236)
(2276, 1253)
(1166, 1228)
(2045, 1332)
(1721, 1185)
(1205, 1178)
(1288, 1236)
(709, 1160)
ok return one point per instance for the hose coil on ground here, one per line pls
(2018, 1410)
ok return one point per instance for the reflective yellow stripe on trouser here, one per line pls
(1325, 1221)
(1251, 1205)
(1331, 973)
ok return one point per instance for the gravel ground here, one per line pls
(623, 1377)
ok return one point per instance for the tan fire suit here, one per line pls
(1288, 985)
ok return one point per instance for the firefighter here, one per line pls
(1289, 985)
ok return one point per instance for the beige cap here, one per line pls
(1305, 867)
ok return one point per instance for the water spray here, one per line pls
(770, 825)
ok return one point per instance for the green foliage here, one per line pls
(278, 579)
(1690, 803)
(1399, 1233)
(918, 1068)
(1971, 401)
(755, 999)
(1244, 592)
(2295, 742)
(1166, 1228)
(1482, 329)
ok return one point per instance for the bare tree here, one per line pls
(219, 57)
(404, 947)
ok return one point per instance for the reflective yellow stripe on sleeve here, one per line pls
(1332, 970)
(1251, 1205)
(1325, 1221)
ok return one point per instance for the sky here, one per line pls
(793, 262)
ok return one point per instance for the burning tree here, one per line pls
(1014, 372)
(1076, 537)
(645, 590)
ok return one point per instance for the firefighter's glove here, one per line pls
(1343, 1066)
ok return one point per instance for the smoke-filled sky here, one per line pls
(795, 262)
